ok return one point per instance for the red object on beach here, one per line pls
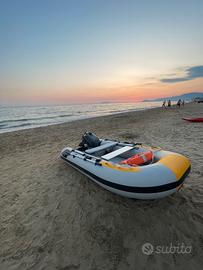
(139, 159)
(193, 119)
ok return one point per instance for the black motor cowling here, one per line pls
(89, 140)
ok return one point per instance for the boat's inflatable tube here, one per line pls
(152, 181)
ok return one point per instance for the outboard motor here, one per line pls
(89, 140)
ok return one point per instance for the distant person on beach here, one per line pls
(169, 103)
(164, 104)
(183, 103)
(178, 103)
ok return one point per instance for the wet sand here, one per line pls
(53, 217)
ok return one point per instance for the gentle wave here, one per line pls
(23, 117)
(3, 125)
(33, 119)
(21, 125)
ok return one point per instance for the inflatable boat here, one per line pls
(132, 170)
(193, 119)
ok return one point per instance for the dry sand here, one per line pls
(53, 217)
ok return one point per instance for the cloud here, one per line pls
(191, 73)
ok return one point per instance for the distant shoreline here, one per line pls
(188, 97)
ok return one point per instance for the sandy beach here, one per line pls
(53, 217)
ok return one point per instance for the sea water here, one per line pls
(14, 118)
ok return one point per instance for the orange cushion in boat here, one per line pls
(139, 159)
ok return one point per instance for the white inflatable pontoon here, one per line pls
(112, 165)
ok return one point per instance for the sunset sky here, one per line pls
(100, 50)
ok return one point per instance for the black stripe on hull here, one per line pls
(132, 189)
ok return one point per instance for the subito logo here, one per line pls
(147, 248)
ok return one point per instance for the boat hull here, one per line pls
(155, 181)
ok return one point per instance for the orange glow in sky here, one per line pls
(97, 51)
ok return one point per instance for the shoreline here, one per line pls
(79, 119)
(53, 217)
